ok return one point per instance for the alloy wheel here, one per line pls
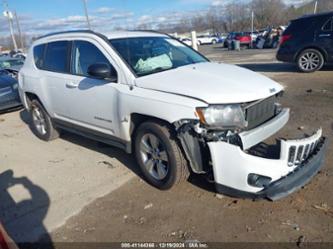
(309, 61)
(39, 120)
(154, 156)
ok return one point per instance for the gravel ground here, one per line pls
(138, 212)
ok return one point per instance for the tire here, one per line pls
(41, 123)
(214, 42)
(310, 60)
(159, 156)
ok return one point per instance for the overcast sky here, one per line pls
(43, 16)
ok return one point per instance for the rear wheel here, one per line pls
(310, 60)
(159, 156)
(41, 123)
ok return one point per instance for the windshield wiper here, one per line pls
(156, 70)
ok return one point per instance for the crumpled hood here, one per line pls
(213, 83)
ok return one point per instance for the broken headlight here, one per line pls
(222, 116)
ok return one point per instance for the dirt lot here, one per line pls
(138, 212)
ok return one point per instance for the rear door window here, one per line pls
(56, 57)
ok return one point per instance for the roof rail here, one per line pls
(69, 32)
(317, 14)
(152, 31)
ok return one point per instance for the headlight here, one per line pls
(222, 116)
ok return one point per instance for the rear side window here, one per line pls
(39, 55)
(328, 26)
(300, 25)
(56, 57)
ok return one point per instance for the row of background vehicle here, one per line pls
(265, 38)
(10, 64)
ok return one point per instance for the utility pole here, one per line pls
(252, 27)
(315, 7)
(86, 12)
(9, 16)
(19, 29)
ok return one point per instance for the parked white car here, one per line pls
(187, 41)
(149, 94)
(207, 39)
(254, 35)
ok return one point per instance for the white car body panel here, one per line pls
(213, 83)
(165, 106)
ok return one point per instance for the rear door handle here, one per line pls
(72, 85)
(324, 35)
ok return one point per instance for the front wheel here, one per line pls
(310, 60)
(159, 155)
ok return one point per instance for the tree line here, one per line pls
(237, 16)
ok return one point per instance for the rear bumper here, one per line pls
(285, 55)
(232, 168)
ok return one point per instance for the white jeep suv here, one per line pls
(149, 94)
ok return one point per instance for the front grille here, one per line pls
(298, 154)
(259, 112)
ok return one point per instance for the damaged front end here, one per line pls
(228, 155)
(239, 173)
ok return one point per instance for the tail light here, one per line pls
(285, 38)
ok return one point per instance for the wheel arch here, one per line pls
(137, 119)
(185, 141)
(29, 96)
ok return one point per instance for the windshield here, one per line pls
(148, 55)
(10, 63)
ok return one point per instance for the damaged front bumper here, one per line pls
(238, 173)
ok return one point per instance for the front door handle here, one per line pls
(324, 35)
(72, 85)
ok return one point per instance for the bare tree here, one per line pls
(236, 16)
(269, 12)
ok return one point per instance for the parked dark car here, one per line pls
(9, 96)
(308, 42)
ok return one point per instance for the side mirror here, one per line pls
(102, 71)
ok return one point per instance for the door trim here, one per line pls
(94, 135)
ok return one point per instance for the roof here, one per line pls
(315, 15)
(110, 35)
(131, 34)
